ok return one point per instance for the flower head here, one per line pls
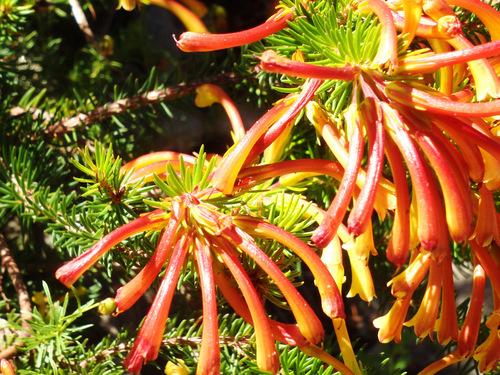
(197, 230)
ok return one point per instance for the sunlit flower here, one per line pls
(195, 231)
(391, 324)
(202, 42)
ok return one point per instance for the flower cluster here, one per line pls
(425, 101)
(198, 232)
(422, 103)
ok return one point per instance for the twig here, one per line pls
(22, 294)
(128, 104)
(83, 24)
(238, 343)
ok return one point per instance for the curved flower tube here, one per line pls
(129, 294)
(253, 175)
(267, 357)
(413, 13)
(427, 63)
(271, 62)
(150, 335)
(468, 333)
(361, 213)
(329, 226)
(309, 324)
(447, 324)
(253, 144)
(285, 333)
(388, 47)
(332, 303)
(72, 270)
(398, 247)
(209, 359)
(424, 101)
(385, 198)
(204, 42)
(488, 15)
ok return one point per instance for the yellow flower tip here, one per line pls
(128, 5)
(391, 324)
(178, 368)
(488, 353)
(449, 26)
(206, 95)
(362, 282)
(298, 56)
(209, 94)
(407, 281)
(6, 367)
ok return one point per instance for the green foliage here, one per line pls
(74, 108)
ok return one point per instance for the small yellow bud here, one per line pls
(107, 306)
(176, 369)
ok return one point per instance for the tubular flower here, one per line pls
(202, 42)
(425, 318)
(371, 95)
(488, 353)
(391, 324)
(428, 112)
(218, 245)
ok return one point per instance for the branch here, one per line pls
(129, 104)
(22, 294)
(83, 24)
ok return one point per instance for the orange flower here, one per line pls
(202, 42)
(391, 324)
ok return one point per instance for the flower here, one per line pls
(488, 353)
(176, 369)
(128, 4)
(203, 42)
(214, 242)
(208, 94)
